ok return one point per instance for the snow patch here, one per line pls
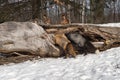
(110, 25)
(103, 66)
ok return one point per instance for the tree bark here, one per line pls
(97, 11)
(36, 4)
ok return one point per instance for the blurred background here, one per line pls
(54, 11)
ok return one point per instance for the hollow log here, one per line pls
(108, 36)
(26, 39)
(33, 39)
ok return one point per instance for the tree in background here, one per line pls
(35, 8)
(83, 11)
(97, 11)
(77, 11)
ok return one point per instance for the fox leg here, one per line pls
(70, 51)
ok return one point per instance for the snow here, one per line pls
(110, 25)
(102, 66)
(100, 25)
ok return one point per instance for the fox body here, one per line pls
(82, 45)
(62, 41)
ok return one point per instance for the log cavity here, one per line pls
(94, 37)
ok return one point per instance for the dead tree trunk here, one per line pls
(109, 36)
(30, 38)
(26, 37)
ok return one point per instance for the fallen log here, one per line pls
(21, 41)
(109, 36)
(31, 39)
(26, 37)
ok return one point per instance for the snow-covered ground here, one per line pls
(102, 66)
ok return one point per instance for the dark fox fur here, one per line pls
(82, 45)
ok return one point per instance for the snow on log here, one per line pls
(26, 37)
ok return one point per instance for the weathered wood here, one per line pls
(19, 38)
(115, 31)
(26, 37)
(94, 33)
